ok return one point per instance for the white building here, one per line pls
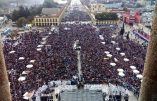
(3, 20)
(97, 7)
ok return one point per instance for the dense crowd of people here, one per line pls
(76, 15)
(50, 56)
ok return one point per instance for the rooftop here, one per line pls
(51, 11)
(81, 95)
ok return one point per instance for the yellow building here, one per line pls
(49, 17)
(95, 8)
(105, 19)
(106, 22)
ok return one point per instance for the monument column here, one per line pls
(4, 82)
(148, 90)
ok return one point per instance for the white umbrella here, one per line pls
(115, 59)
(29, 66)
(126, 59)
(39, 46)
(120, 70)
(139, 76)
(113, 42)
(118, 49)
(21, 58)
(109, 55)
(43, 43)
(32, 61)
(107, 52)
(106, 58)
(103, 43)
(11, 52)
(25, 72)
(22, 78)
(38, 49)
(44, 39)
(122, 54)
(133, 67)
(121, 74)
(113, 64)
(101, 37)
(136, 71)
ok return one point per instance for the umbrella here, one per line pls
(121, 74)
(113, 64)
(101, 37)
(32, 61)
(11, 52)
(107, 52)
(43, 43)
(29, 66)
(103, 43)
(21, 58)
(38, 49)
(39, 46)
(126, 59)
(136, 71)
(22, 78)
(25, 72)
(122, 54)
(133, 67)
(113, 42)
(118, 49)
(44, 39)
(139, 76)
(109, 55)
(115, 59)
(120, 70)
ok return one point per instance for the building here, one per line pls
(3, 20)
(131, 17)
(49, 17)
(81, 95)
(95, 8)
(107, 18)
(106, 22)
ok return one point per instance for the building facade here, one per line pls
(105, 22)
(46, 21)
(3, 21)
(49, 17)
(95, 8)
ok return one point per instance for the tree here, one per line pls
(49, 4)
(15, 15)
(106, 16)
(125, 9)
(21, 22)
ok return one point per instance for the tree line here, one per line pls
(106, 16)
(26, 15)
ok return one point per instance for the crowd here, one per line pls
(76, 15)
(50, 56)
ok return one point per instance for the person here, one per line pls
(126, 97)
